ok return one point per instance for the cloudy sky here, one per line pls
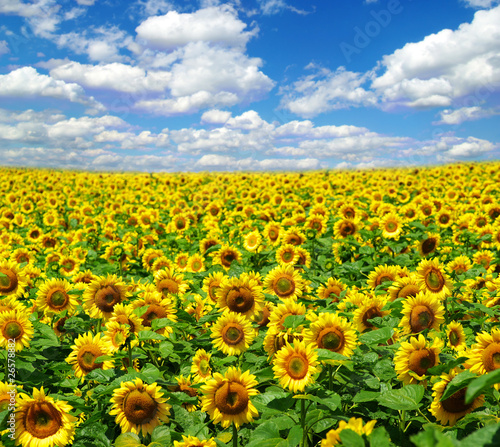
(158, 85)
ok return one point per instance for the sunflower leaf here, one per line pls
(350, 438)
(127, 440)
(325, 354)
(376, 336)
(406, 398)
(445, 367)
(293, 321)
(457, 383)
(479, 385)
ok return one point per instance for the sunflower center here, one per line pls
(408, 290)
(391, 226)
(434, 280)
(231, 398)
(154, 311)
(240, 300)
(421, 361)
(166, 286)
(372, 312)
(297, 367)
(456, 402)
(421, 318)
(454, 338)
(13, 330)
(428, 246)
(204, 367)
(347, 228)
(139, 407)
(42, 420)
(232, 334)
(57, 299)
(227, 258)
(287, 256)
(107, 297)
(384, 278)
(123, 319)
(86, 358)
(212, 291)
(491, 357)
(333, 290)
(284, 286)
(332, 339)
(8, 280)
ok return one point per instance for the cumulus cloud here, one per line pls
(481, 3)
(4, 48)
(217, 24)
(27, 82)
(458, 116)
(215, 116)
(444, 68)
(229, 163)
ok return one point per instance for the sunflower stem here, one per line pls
(303, 422)
(235, 435)
(129, 351)
(330, 377)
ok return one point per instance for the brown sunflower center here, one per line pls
(13, 329)
(123, 319)
(332, 339)
(434, 280)
(212, 291)
(87, 356)
(154, 311)
(333, 290)
(232, 334)
(240, 299)
(107, 297)
(408, 290)
(227, 258)
(297, 366)
(139, 407)
(231, 398)
(491, 356)
(204, 367)
(57, 299)
(8, 280)
(454, 338)
(421, 360)
(384, 277)
(370, 313)
(428, 246)
(421, 318)
(284, 285)
(391, 226)
(273, 235)
(347, 228)
(456, 402)
(42, 420)
(166, 286)
(287, 256)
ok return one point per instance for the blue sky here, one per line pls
(157, 85)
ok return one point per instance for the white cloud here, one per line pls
(83, 126)
(86, 2)
(27, 82)
(270, 7)
(114, 76)
(4, 48)
(481, 3)
(458, 116)
(215, 116)
(218, 24)
(471, 148)
(225, 162)
(42, 15)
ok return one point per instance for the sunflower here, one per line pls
(184, 385)
(115, 336)
(433, 279)
(139, 407)
(262, 314)
(200, 367)
(14, 325)
(391, 226)
(226, 398)
(485, 259)
(276, 338)
(421, 312)
(484, 356)
(54, 296)
(404, 287)
(10, 303)
(371, 307)
(85, 351)
(192, 441)
(124, 315)
(331, 290)
(459, 265)
(354, 424)
(82, 279)
(102, 295)
(272, 232)
(168, 281)
(196, 263)
(208, 242)
(295, 365)
(346, 227)
(149, 256)
(383, 274)
(211, 284)
(226, 255)
(240, 295)
(156, 307)
(287, 308)
(42, 421)
(414, 358)
(332, 332)
(13, 280)
(429, 245)
(287, 254)
(253, 241)
(304, 258)
(455, 336)
(21, 255)
(450, 410)
(232, 333)
(284, 282)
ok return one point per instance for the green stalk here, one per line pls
(235, 435)
(303, 422)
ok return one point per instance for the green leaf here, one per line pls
(325, 354)
(433, 437)
(128, 440)
(457, 383)
(295, 436)
(151, 372)
(488, 436)
(160, 323)
(379, 438)
(366, 396)
(376, 337)
(479, 385)
(266, 434)
(406, 398)
(294, 321)
(350, 438)
(445, 367)
(332, 402)
(150, 335)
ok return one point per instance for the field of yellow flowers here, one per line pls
(354, 308)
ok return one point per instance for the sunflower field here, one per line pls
(354, 308)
